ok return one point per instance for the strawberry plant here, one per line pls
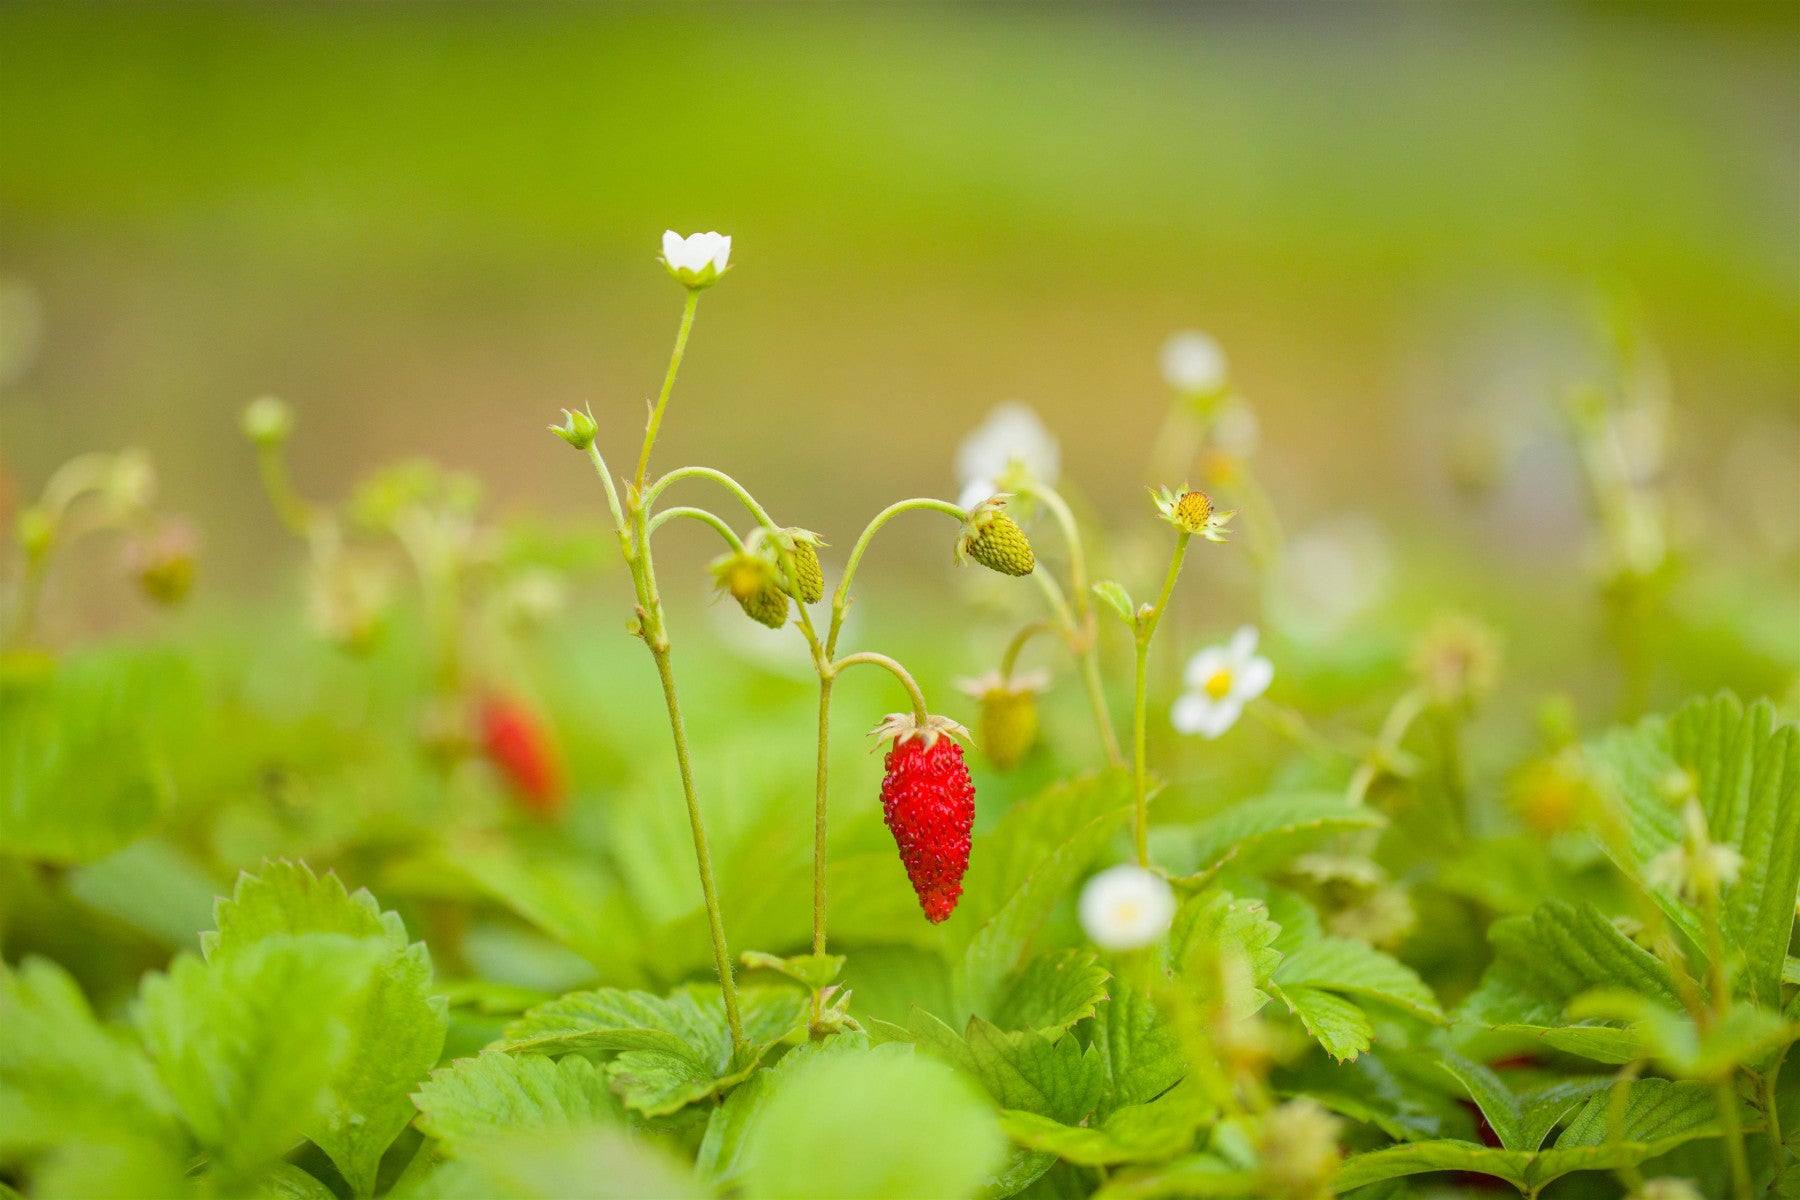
(436, 891)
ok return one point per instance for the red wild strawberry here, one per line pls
(929, 802)
(518, 743)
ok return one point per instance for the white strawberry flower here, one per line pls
(1126, 908)
(1193, 364)
(1012, 442)
(1220, 681)
(698, 259)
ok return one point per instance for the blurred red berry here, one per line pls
(929, 802)
(517, 741)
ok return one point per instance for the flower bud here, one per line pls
(577, 429)
(1457, 661)
(993, 539)
(163, 562)
(1297, 1152)
(1007, 726)
(697, 260)
(267, 421)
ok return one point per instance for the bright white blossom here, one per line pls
(698, 259)
(1126, 907)
(1011, 442)
(1193, 364)
(1220, 681)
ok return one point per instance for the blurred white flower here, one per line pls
(1236, 430)
(698, 259)
(1193, 363)
(1126, 907)
(1220, 681)
(1012, 441)
(1335, 571)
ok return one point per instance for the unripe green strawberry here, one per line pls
(766, 606)
(755, 583)
(802, 546)
(1007, 727)
(993, 539)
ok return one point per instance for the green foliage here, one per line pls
(1743, 767)
(476, 1098)
(871, 1123)
(1268, 830)
(1052, 991)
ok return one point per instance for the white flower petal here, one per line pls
(722, 256)
(975, 492)
(1192, 713)
(1126, 907)
(1204, 665)
(1193, 362)
(1252, 679)
(1220, 716)
(1243, 643)
(671, 246)
(1012, 435)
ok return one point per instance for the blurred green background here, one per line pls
(429, 226)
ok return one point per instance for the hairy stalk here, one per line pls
(822, 781)
(1772, 1124)
(1145, 628)
(293, 510)
(704, 517)
(1009, 660)
(1735, 1157)
(920, 712)
(662, 401)
(1080, 627)
(1400, 718)
(840, 599)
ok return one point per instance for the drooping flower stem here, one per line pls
(1380, 758)
(1009, 660)
(1080, 629)
(840, 599)
(1148, 618)
(899, 672)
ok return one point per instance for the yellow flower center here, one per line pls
(1125, 912)
(1219, 686)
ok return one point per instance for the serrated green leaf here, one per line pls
(1423, 1158)
(1544, 960)
(1497, 1102)
(671, 1051)
(396, 1032)
(495, 1092)
(1337, 1024)
(1386, 1094)
(65, 1076)
(1023, 1070)
(1266, 831)
(249, 1045)
(1160, 1129)
(1348, 967)
(1214, 925)
(1141, 1049)
(1051, 992)
(1745, 766)
(813, 970)
(1026, 866)
(873, 1124)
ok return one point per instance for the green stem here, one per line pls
(1147, 621)
(840, 599)
(662, 401)
(701, 515)
(1009, 660)
(920, 712)
(819, 821)
(1297, 729)
(1406, 710)
(292, 509)
(1733, 1127)
(1080, 625)
(1772, 1124)
(702, 855)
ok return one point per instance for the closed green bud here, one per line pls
(577, 429)
(267, 421)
